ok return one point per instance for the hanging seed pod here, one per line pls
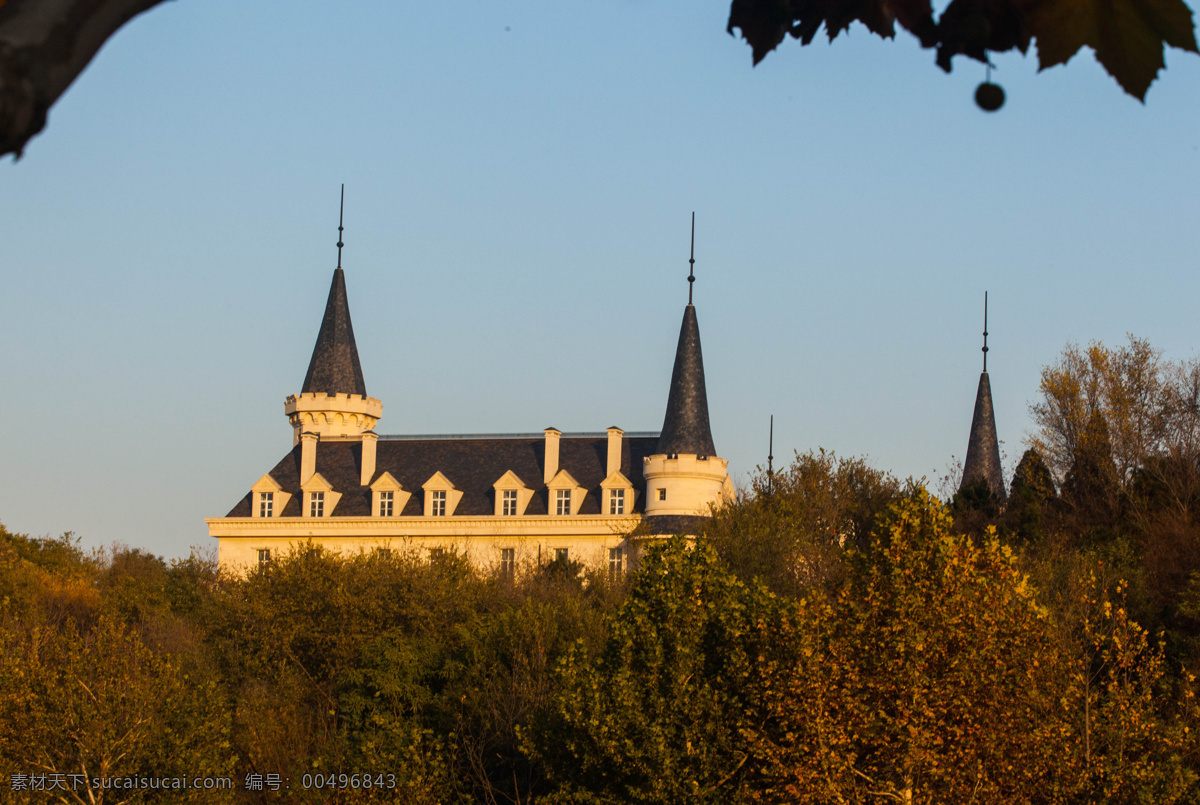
(989, 97)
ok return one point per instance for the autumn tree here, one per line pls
(1127, 386)
(937, 678)
(793, 527)
(660, 714)
(1031, 496)
(100, 703)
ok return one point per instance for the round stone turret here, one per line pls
(332, 416)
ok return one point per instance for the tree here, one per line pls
(101, 704)
(792, 531)
(659, 716)
(1128, 36)
(1030, 496)
(1130, 386)
(46, 44)
(935, 678)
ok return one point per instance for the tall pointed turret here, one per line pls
(685, 476)
(333, 401)
(685, 428)
(334, 368)
(983, 448)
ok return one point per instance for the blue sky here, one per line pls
(519, 182)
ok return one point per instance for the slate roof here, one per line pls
(472, 464)
(983, 447)
(334, 368)
(685, 427)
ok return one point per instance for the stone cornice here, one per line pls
(465, 527)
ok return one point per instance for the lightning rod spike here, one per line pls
(341, 212)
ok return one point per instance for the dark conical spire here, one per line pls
(983, 448)
(334, 368)
(686, 428)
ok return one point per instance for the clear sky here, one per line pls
(519, 181)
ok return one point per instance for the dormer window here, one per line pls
(616, 501)
(320, 500)
(562, 502)
(564, 495)
(388, 498)
(512, 495)
(441, 497)
(267, 498)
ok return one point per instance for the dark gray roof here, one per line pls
(983, 448)
(685, 428)
(471, 464)
(334, 368)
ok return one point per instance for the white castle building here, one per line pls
(502, 499)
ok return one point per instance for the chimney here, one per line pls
(614, 450)
(552, 436)
(308, 456)
(368, 457)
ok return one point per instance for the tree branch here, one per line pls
(44, 46)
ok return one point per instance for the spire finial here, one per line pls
(771, 458)
(985, 348)
(692, 259)
(341, 210)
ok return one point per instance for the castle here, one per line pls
(503, 500)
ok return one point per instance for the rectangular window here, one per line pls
(616, 501)
(662, 494)
(266, 504)
(508, 562)
(560, 554)
(510, 503)
(563, 502)
(384, 553)
(264, 556)
(437, 502)
(316, 504)
(386, 499)
(436, 554)
(616, 561)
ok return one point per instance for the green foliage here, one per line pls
(932, 677)
(792, 532)
(101, 703)
(660, 714)
(1092, 489)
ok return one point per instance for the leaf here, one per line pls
(973, 27)
(1127, 35)
(764, 23)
